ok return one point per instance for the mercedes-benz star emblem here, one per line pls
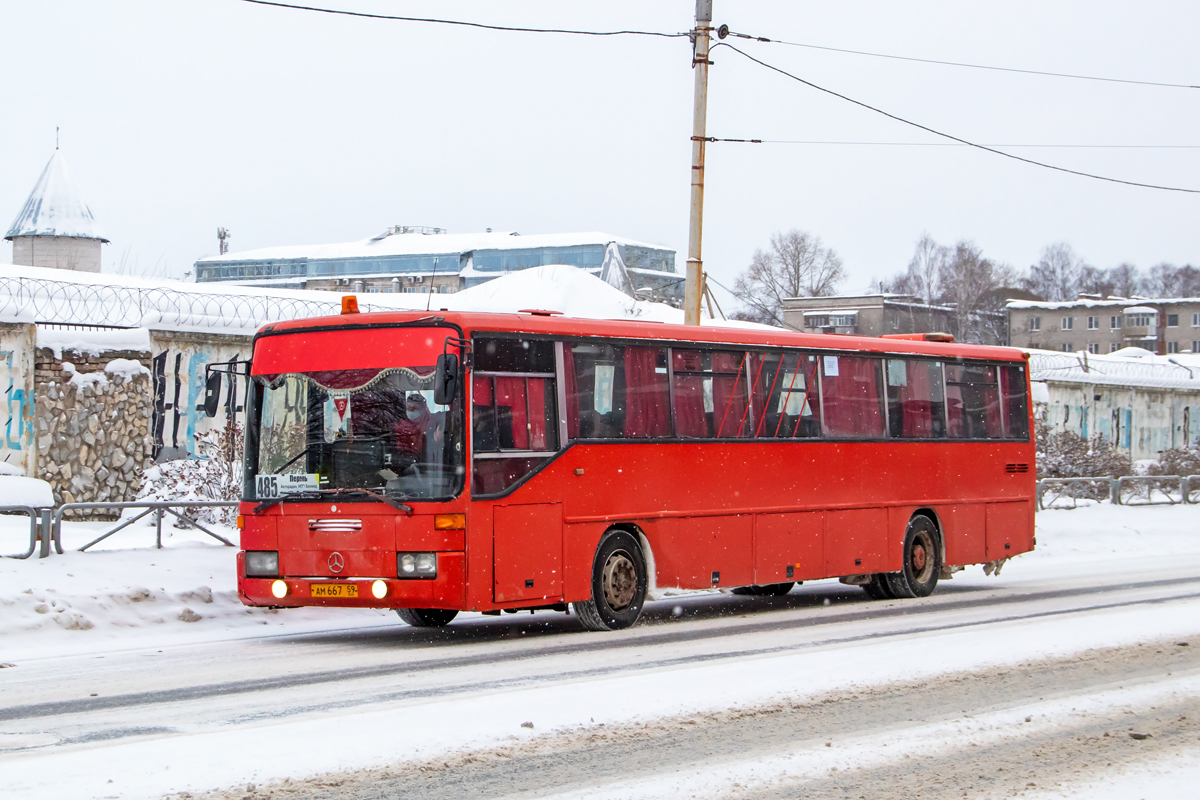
(336, 562)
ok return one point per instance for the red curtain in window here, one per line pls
(536, 388)
(916, 402)
(482, 393)
(991, 406)
(646, 395)
(689, 406)
(571, 390)
(510, 393)
(729, 393)
(852, 398)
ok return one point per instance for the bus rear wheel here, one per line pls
(426, 617)
(619, 584)
(767, 590)
(922, 561)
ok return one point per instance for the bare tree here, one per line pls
(1056, 275)
(1162, 280)
(1125, 280)
(797, 265)
(922, 279)
(970, 282)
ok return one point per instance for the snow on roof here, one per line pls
(1111, 302)
(1131, 367)
(56, 207)
(408, 244)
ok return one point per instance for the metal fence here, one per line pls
(1131, 490)
(39, 529)
(158, 509)
(114, 305)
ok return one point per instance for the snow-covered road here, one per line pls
(714, 695)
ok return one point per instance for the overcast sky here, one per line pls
(290, 127)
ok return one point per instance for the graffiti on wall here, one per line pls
(188, 403)
(18, 422)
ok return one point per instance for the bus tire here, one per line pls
(878, 588)
(426, 617)
(767, 590)
(922, 560)
(619, 584)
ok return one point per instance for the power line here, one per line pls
(462, 23)
(951, 137)
(989, 67)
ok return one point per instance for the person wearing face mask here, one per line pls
(419, 435)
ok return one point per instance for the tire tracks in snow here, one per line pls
(190, 693)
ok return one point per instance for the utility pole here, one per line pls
(694, 288)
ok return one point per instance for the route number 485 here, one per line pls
(266, 486)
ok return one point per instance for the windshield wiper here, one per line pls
(317, 494)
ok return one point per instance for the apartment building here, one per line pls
(1105, 325)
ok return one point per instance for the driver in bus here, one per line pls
(418, 434)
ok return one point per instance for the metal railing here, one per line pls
(158, 509)
(34, 529)
(1131, 490)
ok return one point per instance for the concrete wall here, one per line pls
(1143, 422)
(181, 387)
(18, 444)
(61, 252)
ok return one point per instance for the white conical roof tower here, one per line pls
(56, 207)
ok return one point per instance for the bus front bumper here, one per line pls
(444, 591)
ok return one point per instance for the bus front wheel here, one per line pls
(619, 585)
(922, 561)
(426, 617)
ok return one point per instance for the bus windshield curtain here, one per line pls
(647, 403)
(850, 386)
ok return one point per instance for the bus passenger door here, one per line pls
(527, 551)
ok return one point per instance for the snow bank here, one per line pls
(19, 491)
(93, 342)
(557, 287)
(9, 469)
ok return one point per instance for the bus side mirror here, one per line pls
(445, 380)
(212, 394)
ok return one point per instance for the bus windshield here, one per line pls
(375, 429)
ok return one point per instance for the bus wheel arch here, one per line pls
(620, 582)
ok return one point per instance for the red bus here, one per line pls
(441, 462)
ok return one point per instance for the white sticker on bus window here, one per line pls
(897, 373)
(605, 375)
(831, 366)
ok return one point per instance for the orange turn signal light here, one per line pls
(241, 522)
(349, 304)
(450, 522)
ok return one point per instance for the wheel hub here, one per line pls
(619, 581)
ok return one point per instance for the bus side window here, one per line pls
(617, 392)
(711, 394)
(973, 401)
(916, 399)
(785, 399)
(513, 416)
(853, 396)
(1015, 405)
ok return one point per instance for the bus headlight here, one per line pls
(416, 565)
(379, 589)
(262, 563)
(279, 589)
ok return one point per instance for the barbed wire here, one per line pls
(44, 300)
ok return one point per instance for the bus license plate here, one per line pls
(334, 590)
